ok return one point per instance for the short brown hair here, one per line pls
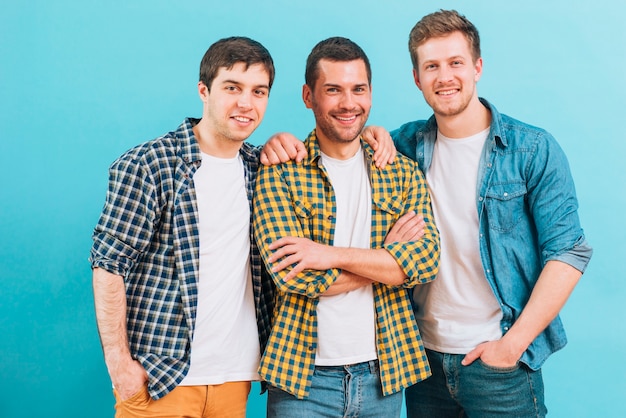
(336, 49)
(442, 23)
(227, 52)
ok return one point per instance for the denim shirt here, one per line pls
(527, 214)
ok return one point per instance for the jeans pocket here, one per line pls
(139, 398)
(496, 369)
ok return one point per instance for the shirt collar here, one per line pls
(189, 147)
(314, 153)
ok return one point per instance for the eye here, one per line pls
(231, 88)
(260, 92)
(457, 63)
(332, 90)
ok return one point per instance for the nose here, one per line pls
(444, 74)
(244, 100)
(347, 101)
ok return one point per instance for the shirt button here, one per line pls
(505, 194)
(330, 217)
(480, 199)
(311, 348)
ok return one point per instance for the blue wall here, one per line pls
(82, 81)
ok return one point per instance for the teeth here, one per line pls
(242, 119)
(446, 93)
(346, 119)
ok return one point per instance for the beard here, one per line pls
(450, 109)
(328, 126)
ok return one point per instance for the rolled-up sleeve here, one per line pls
(275, 217)
(126, 223)
(418, 259)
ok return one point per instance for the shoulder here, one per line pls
(409, 130)
(149, 153)
(518, 135)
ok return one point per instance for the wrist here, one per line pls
(516, 344)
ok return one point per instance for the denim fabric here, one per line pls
(528, 214)
(475, 391)
(338, 391)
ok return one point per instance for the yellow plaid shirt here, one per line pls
(297, 199)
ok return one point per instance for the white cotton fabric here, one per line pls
(458, 310)
(346, 322)
(225, 346)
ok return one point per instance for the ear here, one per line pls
(478, 69)
(203, 91)
(306, 96)
(416, 77)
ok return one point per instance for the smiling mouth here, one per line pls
(346, 118)
(242, 119)
(447, 92)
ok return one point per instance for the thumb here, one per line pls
(472, 356)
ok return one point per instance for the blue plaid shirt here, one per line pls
(148, 233)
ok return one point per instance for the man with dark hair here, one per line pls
(176, 272)
(512, 249)
(344, 341)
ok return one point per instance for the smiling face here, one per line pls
(341, 100)
(447, 74)
(233, 108)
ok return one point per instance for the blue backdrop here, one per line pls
(82, 81)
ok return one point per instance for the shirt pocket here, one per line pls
(505, 205)
(304, 209)
(306, 213)
(390, 205)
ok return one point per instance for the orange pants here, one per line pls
(225, 400)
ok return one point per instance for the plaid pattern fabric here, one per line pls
(148, 234)
(294, 199)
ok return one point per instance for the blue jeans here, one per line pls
(338, 391)
(475, 391)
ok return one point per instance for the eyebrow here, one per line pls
(339, 86)
(239, 83)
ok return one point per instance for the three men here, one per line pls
(343, 340)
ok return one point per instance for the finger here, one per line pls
(284, 251)
(280, 242)
(289, 150)
(272, 157)
(415, 233)
(285, 263)
(300, 152)
(263, 158)
(297, 269)
(404, 219)
(282, 154)
(471, 357)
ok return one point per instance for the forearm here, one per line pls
(376, 265)
(110, 302)
(554, 286)
(346, 282)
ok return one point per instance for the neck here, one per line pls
(338, 150)
(474, 119)
(215, 145)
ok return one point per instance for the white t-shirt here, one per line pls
(458, 310)
(225, 346)
(346, 325)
